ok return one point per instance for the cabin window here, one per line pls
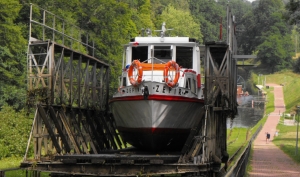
(140, 53)
(193, 85)
(163, 54)
(124, 81)
(190, 83)
(184, 56)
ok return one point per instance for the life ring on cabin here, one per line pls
(172, 81)
(135, 81)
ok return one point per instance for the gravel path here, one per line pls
(268, 159)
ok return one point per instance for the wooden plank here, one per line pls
(99, 129)
(69, 132)
(109, 134)
(60, 132)
(76, 125)
(113, 131)
(85, 133)
(49, 128)
(93, 132)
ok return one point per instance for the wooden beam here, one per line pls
(59, 130)
(69, 131)
(49, 128)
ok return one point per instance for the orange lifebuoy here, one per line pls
(135, 81)
(173, 81)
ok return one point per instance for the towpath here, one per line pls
(268, 159)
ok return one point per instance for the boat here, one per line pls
(160, 92)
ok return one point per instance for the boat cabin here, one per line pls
(153, 53)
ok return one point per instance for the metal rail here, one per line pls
(2, 172)
(58, 26)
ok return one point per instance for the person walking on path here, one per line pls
(267, 137)
(268, 159)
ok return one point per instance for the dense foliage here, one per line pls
(12, 55)
(268, 34)
(14, 132)
(262, 26)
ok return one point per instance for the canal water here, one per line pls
(250, 111)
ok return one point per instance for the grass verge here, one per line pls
(14, 162)
(286, 141)
(237, 139)
(291, 87)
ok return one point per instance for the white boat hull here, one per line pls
(160, 93)
(155, 124)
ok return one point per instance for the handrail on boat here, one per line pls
(154, 59)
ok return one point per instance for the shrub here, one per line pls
(14, 132)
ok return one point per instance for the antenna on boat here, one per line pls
(163, 31)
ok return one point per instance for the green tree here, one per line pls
(272, 52)
(11, 33)
(158, 6)
(144, 16)
(112, 25)
(182, 22)
(12, 88)
(12, 55)
(264, 20)
(208, 13)
(292, 13)
(275, 48)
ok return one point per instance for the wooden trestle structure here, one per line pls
(207, 140)
(70, 90)
(73, 132)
